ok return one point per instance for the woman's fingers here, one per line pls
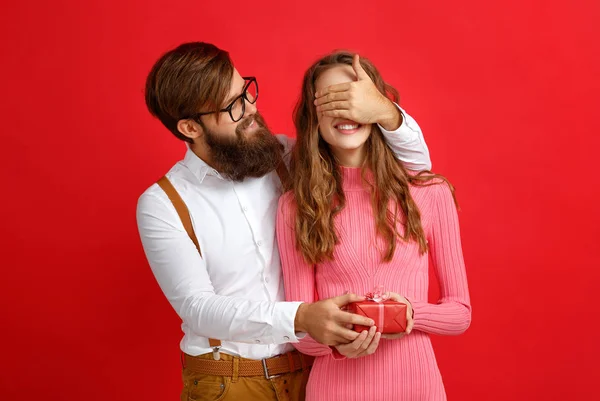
(369, 339)
(362, 342)
(357, 344)
(373, 346)
(350, 350)
(410, 323)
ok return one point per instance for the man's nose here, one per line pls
(250, 108)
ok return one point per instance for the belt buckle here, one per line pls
(266, 370)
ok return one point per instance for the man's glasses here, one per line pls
(237, 107)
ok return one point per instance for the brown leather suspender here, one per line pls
(181, 209)
(284, 176)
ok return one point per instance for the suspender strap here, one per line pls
(284, 176)
(181, 209)
(184, 215)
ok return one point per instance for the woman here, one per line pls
(357, 219)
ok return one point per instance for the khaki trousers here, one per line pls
(202, 387)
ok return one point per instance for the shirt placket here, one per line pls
(257, 236)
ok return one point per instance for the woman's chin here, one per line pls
(349, 155)
(349, 146)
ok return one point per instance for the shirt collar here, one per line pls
(199, 167)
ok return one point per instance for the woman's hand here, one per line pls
(365, 344)
(359, 101)
(392, 296)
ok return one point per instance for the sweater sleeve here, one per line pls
(298, 276)
(451, 315)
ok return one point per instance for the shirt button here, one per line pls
(257, 341)
(267, 279)
(245, 208)
(259, 243)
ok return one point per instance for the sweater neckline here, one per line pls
(352, 179)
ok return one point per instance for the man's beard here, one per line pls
(246, 155)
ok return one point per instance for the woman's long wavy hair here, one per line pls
(317, 180)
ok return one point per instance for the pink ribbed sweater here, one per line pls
(403, 369)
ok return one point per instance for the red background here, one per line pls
(506, 94)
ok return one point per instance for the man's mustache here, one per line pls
(248, 120)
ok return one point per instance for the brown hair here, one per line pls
(317, 180)
(191, 78)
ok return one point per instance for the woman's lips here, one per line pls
(347, 127)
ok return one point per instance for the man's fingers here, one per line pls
(341, 105)
(352, 318)
(360, 72)
(333, 88)
(348, 335)
(346, 299)
(338, 114)
(331, 97)
(338, 340)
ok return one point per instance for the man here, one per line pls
(221, 272)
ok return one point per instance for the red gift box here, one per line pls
(389, 316)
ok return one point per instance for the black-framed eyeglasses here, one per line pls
(237, 107)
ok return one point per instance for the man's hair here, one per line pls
(194, 77)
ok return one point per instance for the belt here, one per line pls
(271, 367)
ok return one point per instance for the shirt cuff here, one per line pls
(404, 133)
(284, 316)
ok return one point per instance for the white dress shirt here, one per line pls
(234, 292)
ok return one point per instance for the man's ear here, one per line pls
(190, 129)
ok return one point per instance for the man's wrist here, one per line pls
(299, 319)
(391, 120)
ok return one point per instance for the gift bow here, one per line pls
(377, 296)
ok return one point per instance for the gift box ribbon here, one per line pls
(377, 297)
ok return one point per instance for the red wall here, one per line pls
(506, 93)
